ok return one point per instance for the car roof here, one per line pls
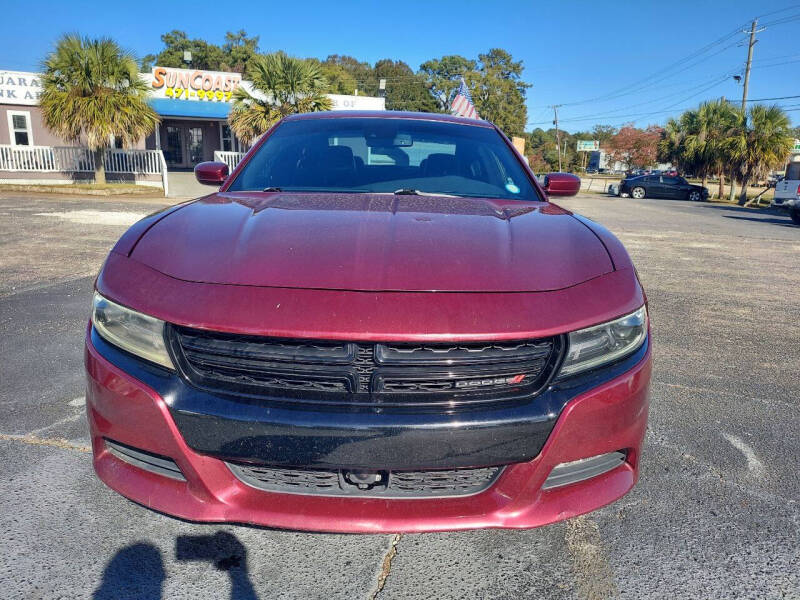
(388, 114)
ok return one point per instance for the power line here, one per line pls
(628, 118)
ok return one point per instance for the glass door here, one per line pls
(195, 135)
(173, 148)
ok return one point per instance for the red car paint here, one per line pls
(370, 268)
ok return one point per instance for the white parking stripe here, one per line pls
(754, 465)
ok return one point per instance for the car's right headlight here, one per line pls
(133, 331)
(605, 343)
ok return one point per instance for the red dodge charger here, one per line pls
(379, 323)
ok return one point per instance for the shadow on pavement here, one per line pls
(137, 571)
(785, 222)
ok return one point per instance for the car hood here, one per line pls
(374, 242)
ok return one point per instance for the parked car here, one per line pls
(661, 186)
(787, 192)
(380, 323)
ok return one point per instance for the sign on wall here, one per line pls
(588, 145)
(344, 102)
(193, 84)
(20, 87)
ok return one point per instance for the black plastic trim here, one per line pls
(148, 461)
(280, 433)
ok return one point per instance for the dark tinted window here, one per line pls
(671, 180)
(384, 155)
(793, 171)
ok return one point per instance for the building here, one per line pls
(193, 105)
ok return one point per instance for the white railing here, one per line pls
(146, 162)
(229, 158)
(74, 159)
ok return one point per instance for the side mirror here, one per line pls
(211, 173)
(562, 184)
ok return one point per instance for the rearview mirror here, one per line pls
(562, 184)
(211, 173)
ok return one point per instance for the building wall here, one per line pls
(41, 135)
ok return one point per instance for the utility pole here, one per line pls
(749, 63)
(745, 86)
(558, 135)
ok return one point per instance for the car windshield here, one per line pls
(385, 155)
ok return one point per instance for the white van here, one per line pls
(787, 190)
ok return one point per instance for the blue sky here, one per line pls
(604, 61)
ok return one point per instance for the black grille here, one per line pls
(389, 484)
(376, 375)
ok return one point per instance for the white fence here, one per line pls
(229, 158)
(74, 159)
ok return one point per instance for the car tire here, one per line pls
(795, 215)
(694, 196)
(638, 193)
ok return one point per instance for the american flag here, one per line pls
(462, 105)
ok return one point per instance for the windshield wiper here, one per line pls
(413, 192)
(272, 189)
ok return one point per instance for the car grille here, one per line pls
(389, 484)
(376, 375)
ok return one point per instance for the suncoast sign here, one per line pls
(188, 84)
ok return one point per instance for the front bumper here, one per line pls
(599, 413)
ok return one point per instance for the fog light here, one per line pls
(585, 468)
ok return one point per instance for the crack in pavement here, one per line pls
(386, 566)
(38, 441)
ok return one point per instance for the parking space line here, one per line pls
(593, 572)
(39, 441)
(754, 465)
(38, 432)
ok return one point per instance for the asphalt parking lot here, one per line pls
(715, 514)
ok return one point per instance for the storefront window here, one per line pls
(19, 128)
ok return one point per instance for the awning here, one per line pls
(201, 109)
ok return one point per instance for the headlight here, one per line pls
(130, 330)
(599, 345)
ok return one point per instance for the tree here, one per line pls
(91, 90)
(443, 76)
(499, 92)
(362, 73)
(760, 142)
(340, 80)
(282, 85)
(404, 89)
(635, 147)
(239, 50)
(176, 42)
(603, 133)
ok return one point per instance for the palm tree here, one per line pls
(760, 142)
(281, 85)
(715, 121)
(91, 91)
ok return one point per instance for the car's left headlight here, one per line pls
(602, 344)
(133, 331)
